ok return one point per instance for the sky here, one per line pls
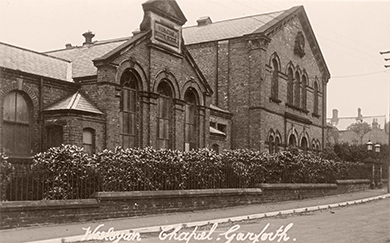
(350, 34)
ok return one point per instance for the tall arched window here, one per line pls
(89, 140)
(275, 77)
(16, 124)
(304, 93)
(297, 90)
(129, 119)
(290, 87)
(164, 116)
(191, 120)
(315, 98)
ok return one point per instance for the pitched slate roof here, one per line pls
(16, 58)
(232, 28)
(77, 102)
(81, 57)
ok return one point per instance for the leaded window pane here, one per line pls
(164, 114)
(9, 107)
(16, 124)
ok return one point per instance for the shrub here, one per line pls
(71, 173)
(66, 172)
(6, 171)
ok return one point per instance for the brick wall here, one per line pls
(242, 81)
(50, 92)
(130, 204)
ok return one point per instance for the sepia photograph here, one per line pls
(229, 121)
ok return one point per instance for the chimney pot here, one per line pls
(203, 21)
(88, 37)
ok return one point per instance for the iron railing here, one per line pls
(28, 185)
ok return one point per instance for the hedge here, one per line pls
(68, 172)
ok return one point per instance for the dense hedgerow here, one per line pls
(6, 170)
(150, 169)
(65, 172)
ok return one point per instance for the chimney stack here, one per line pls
(68, 46)
(88, 37)
(360, 116)
(203, 21)
(335, 116)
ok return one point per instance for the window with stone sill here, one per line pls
(191, 120)
(297, 90)
(315, 113)
(275, 80)
(55, 136)
(304, 93)
(129, 105)
(17, 124)
(290, 87)
(89, 140)
(164, 116)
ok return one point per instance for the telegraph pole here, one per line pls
(388, 143)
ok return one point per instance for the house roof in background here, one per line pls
(19, 59)
(344, 122)
(81, 56)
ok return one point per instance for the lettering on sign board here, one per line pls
(167, 35)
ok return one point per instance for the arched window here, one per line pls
(271, 144)
(315, 98)
(292, 141)
(275, 77)
(164, 116)
(304, 144)
(190, 120)
(290, 87)
(297, 90)
(129, 119)
(16, 124)
(277, 143)
(304, 93)
(89, 140)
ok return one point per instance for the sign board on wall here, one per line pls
(166, 34)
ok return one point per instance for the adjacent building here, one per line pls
(339, 132)
(256, 82)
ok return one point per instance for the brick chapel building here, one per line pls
(255, 82)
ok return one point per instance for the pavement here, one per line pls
(75, 232)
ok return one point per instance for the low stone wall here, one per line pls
(128, 204)
(284, 192)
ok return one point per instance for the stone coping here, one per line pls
(296, 186)
(355, 181)
(175, 193)
(48, 204)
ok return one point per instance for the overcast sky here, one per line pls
(350, 33)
